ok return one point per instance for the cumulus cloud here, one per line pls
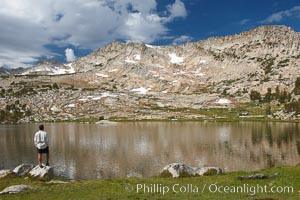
(70, 56)
(28, 27)
(279, 16)
(176, 10)
(182, 39)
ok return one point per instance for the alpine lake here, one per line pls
(95, 151)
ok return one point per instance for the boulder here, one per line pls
(16, 189)
(57, 182)
(23, 169)
(4, 173)
(258, 176)
(106, 122)
(176, 170)
(42, 172)
(206, 171)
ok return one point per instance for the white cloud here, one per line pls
(70, 56)
(244, 21)
(27, 27)
(279, 16)
(182, 39)
(176, 10)
(145, 28)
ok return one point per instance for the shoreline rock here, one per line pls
(14, 189)
(42, 172)
(178, 170)
(4, 173)
(106, 122)
(23, 169)
(258, 176)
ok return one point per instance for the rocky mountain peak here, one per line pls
(270, 29)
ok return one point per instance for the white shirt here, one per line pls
(41, 140)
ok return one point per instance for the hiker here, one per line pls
(41, 142)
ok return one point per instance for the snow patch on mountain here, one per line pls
(223, 101)
(102, 75)
(152, 46)
(103, 95)
(137, 57)
(199, 74)
(175, 59)
(113, 70)
(51, 69)
(130, 61)
(71, 106)
(141, 90)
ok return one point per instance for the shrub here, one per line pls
(55, 86)
(293, 107)
(297, 86)
(268, 110)
(254, 95)
(268, 96)
(283, 97)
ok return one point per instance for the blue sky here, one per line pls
(66, 29)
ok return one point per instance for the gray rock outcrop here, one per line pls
(42, 172)
(259, 176)
(177, 170)
(206, 171)
(4, 173)
(23, 169)
(16, 189)
(107, 122)
(57, 182)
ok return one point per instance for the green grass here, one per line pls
(210, 114)
(231, 114)
(116, 188)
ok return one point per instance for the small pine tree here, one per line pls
(2, 115)
(293, 107)
(277, 92)
(254, 95)
(268, 110)
(283, 97)
(268, 96)
(55, 86)
(297, 86)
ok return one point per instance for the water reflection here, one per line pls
(96, 151)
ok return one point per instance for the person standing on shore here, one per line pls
(41, 142)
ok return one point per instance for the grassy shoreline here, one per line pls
(242, 112)
(285, 186)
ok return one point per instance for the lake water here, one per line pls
(90, 151)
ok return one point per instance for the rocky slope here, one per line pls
(264, 57)
(43, 67)
(131, 79)
(7, 71)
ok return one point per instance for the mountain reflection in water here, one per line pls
(89, 151)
